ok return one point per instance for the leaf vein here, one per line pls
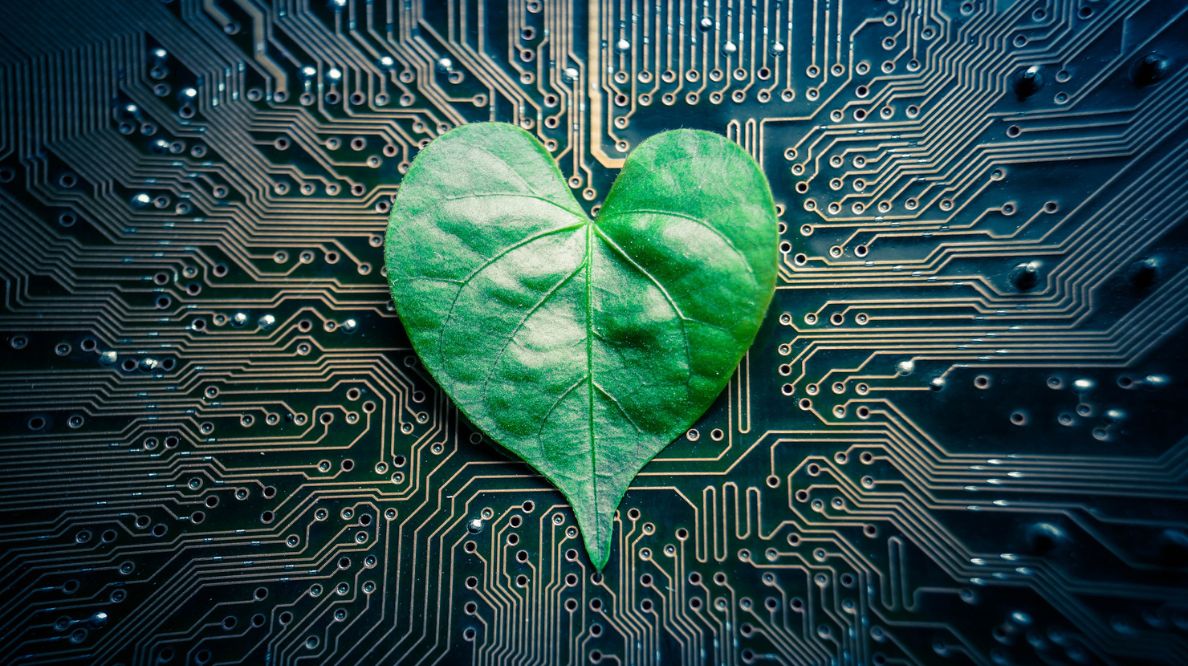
(695, 220)
(511, 336)
(512, 195)
(445, 322)
(681, 318)
(590, 229)
(617, 404)
(511, 169)
(545, 419)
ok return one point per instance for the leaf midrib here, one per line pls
(590, 225)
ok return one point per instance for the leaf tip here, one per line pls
(598, 530)
(599, 551)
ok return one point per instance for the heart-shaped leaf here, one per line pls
(582, 346)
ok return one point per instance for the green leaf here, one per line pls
(582, 346)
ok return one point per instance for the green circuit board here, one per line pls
(960, 438)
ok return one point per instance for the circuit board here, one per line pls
(960, 438)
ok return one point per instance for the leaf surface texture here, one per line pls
(582, 346)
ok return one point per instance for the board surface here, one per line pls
(961, 437)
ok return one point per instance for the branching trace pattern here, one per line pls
(960, 437)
